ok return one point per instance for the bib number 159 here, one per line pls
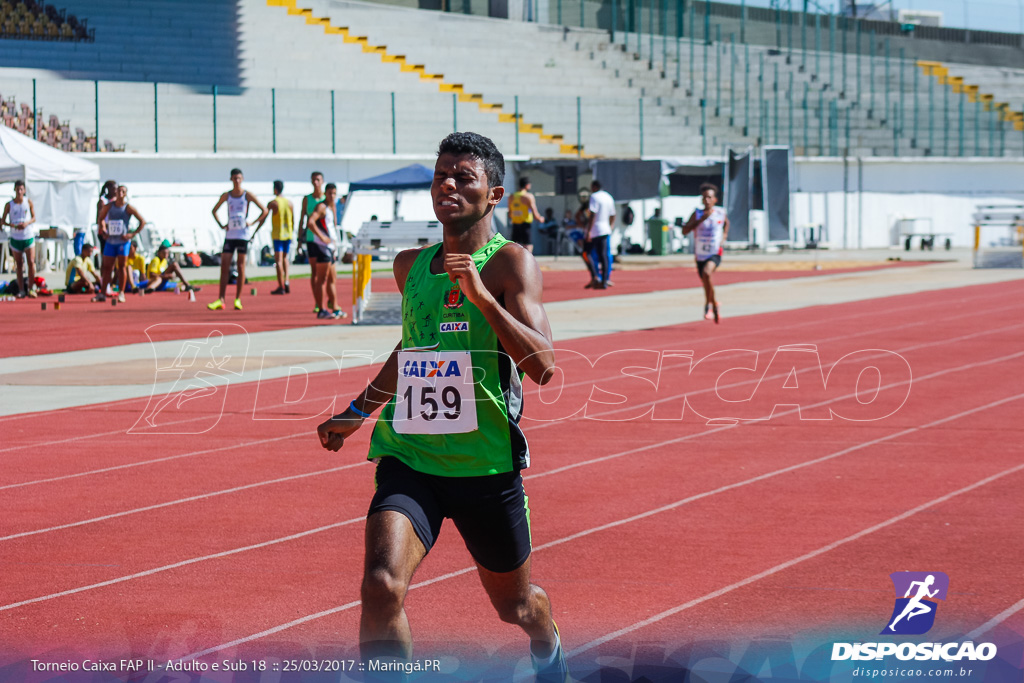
(435, 393)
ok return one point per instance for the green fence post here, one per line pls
(273, 120)
(732, 79)
(641, 101)
(896, 130)
(35, 113)
(833, 128)
(692, 37)
(821, 123)
(778, 28)
(334, 144)
(455, 113)
(743, 21)
(789, 102)
(931, 115)
(214, 119)
(560, 23)
(806, 123)
(707, 21)
(832, 51)
(977, 127)
(583, 19)
(917, 107)
(703, 125)
(704, 92)
(394, 126)
(847, 117)
(517, 122)
(638, 23)
(885, 83)
(803, 38)
(903, 101)
(96, 115)
(156, 121)
(579, 127)
(760, 78)
(718, 70)
(817, 46)
(945, 120)
(961, 146)
(775, 97)
(991, 135)
(842, 63)
(789, 37)
(856, 51)
(871, 73)
(650, 27)
(664, 35)
(679, 41)
(746, 90)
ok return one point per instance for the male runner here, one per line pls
(449, 448)
(323, 225)
(522, 211)
(309, 204)
(117, 238)
(282, 229)
(601, 207)
(20, 214)
(237, 237)
(712, 226)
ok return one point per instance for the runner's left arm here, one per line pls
(521, 324)
(138, 216)
(31, 215)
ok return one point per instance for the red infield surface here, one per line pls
(83, 324)
(649, 530)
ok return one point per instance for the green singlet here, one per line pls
(437, 316)
(311, 203)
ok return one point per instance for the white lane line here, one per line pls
(790, 563)
(180, 501)
(666, 508)
(995, 621)
(176, 565)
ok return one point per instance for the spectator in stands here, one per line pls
(236, 240)
(309, 204)
(323, 225)
(136, 265)
(522, 211)
(20, 215)
(108, 193)
(282, 222)
(163, 272)
(601, 209)
(114, 221)
(81, 276)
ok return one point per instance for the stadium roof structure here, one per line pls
(414, 177)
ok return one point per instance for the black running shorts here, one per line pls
(491, 512)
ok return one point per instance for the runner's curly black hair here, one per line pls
(480, 147)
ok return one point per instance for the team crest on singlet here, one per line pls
(454, 297)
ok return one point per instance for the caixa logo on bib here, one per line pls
(458, 326)
(431, 368)
(916, 595)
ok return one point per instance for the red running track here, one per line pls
(246, 539)
(82, 324)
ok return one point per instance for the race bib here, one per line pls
(116, 228)
(236, 223)
(435, 393)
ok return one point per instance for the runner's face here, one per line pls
(710, 199)
(318, 184)
(329, 196)
(122, 194)
(19, 192)
(460, 190)
(236, 181)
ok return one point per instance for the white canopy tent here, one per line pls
(63, 188)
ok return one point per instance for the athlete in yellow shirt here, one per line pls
(282, 221)
(81, 276)
(162, 271)
(522, 210)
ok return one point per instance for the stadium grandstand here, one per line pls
(612, 79)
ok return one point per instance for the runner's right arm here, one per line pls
(334, 431)
(223, 198)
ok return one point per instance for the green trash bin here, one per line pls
(657, 232)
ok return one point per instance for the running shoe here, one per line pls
(191, 288)
(99, 297)
(339, 314)
(32, 293)
(216, 305)
(120, 298)
(316, 309)
(238, 304)
(279, 290)
(708, 314)
(556, 670)
(323, 315)
(287, 288)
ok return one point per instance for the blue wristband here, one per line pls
(352, 407)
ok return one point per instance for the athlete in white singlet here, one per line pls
(237, 238)
(711, 227)
(20, 215)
